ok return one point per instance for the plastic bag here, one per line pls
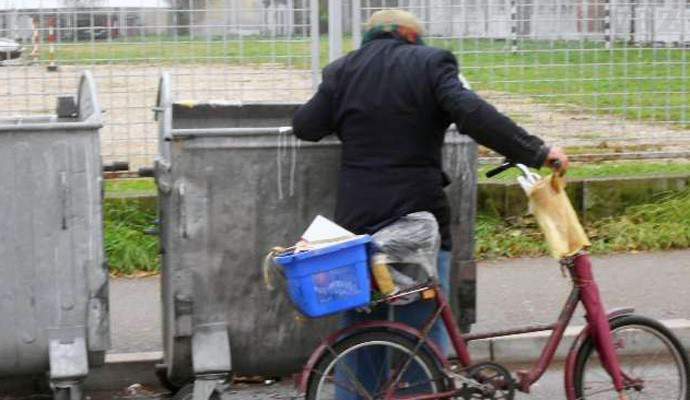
(556, 217)
(410, 247)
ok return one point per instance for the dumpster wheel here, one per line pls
(187, 393)
(61, 394)
(68, 393)
(162, 375)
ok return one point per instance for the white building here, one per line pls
(75, 20)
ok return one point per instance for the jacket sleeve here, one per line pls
(480, 120)
(314, 119)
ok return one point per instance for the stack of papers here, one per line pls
(323, 232)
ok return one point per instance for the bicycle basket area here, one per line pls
(329, 280)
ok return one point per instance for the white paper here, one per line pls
(323, 229)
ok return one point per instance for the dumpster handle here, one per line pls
(64, 193)
(183, 211)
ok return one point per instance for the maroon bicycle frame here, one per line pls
(459, 340)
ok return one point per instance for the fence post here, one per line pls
(52, 66)
(607, 23)
(652, 23)
(315, 43)
(633, 7)
(35, 40)
(335, 29)
(356, 23)
(513, 26)
(683, 47)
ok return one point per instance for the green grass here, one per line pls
(658, 226)
(602, 170)
(130, 186)
(639, 83)
(129, 249)
(146, 186)
(661, 225)
(291, 52)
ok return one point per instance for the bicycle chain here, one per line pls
(484, 381)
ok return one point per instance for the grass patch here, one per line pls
(147, 186)
(128, 247)
(642, 83)
(130, 186)
(656, 226)
(661, 225)
(619, 169)
(496, 238)
(635, 82)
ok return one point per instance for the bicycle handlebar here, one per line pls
(500, 169)
(556, 165)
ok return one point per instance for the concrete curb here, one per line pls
(525, 348)
(122, 370)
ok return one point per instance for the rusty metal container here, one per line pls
(54, 280)
(232, 183)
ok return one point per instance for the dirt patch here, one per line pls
(127, 93)
(569, 126)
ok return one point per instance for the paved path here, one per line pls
(549, 387)
(135, 315)
(510, 293)
(524, 291)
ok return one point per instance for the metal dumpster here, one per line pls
(54, 285)
(232, 184)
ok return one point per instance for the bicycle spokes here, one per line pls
(649, 364)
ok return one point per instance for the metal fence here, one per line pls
(237, 50)
(608, 75)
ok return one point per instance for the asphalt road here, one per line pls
(511, 293)
(550, 387)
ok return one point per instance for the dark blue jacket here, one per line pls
(390, 104)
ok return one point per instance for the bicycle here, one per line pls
(407, 365)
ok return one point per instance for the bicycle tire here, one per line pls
(437, 379)
(619, 325)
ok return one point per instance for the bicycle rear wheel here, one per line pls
(652, 360)
(364, 365)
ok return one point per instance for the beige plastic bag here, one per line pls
(556, 217)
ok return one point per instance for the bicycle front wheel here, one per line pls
(365, 365)
(653, 362)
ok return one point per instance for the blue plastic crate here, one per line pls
(329, 280)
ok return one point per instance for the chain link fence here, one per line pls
(237, 50)
(603, 76)
(600, 76)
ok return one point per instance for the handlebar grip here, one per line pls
(500, 169)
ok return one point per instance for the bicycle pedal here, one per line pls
(522, 374)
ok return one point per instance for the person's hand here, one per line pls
(557, 160)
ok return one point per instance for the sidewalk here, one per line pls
(511, 293)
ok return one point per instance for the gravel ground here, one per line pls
(128, 92)
(549, 387)
(510, 293)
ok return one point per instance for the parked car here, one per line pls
(9, 49)
(95, 33)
